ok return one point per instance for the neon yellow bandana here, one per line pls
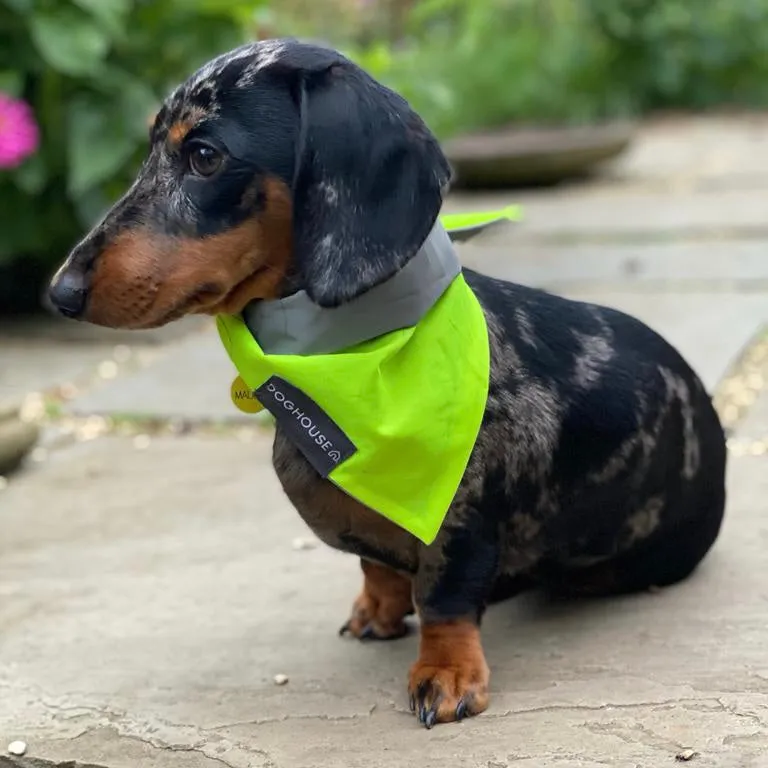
(391, 420)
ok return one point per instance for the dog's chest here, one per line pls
(336, 518)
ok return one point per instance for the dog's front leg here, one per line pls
(456, 574)
(380, 609)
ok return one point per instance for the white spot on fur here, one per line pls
(330, 258)
(525, 527)
(330, 192)
(529, 418)
(525, 327)
(207, 77)
(596, 351)
(265, 54)
(646, 520)
(677, 389)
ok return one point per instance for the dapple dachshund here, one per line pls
(599, 466)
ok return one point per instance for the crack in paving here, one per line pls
(290, 717)
(203, 749)
(593, 707)
(201, 740)
(634, 734)
(192, 750)
(736, 713)
(36, 762)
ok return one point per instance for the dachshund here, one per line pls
(599, 465)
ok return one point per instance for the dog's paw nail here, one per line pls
(344, 629)
(430, 719)
(422, 714)
(461, 710)
(412, 703)
(367, 632)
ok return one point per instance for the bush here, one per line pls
(94, 73)
(479, 64)
(672, 53)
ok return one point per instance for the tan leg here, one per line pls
(379, 611)
(450, 679)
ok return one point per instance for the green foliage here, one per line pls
(94, 72)
(479, 64)
(475, 65)
(682, 54)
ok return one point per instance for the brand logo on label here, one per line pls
(309, 427)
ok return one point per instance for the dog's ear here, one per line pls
(368, 184)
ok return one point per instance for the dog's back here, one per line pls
(621, 456)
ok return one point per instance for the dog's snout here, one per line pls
(67, 293)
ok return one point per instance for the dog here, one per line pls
(599, 465)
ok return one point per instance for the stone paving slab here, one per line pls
(600, 213)
(716, 265)
(190, 381)
(729, 150)
(147, 599)
(42, 353)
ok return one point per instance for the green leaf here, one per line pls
(97, 144)
(137, 102)
(111, 14)
(20, 6)
(31, 175)
(11, 82)
(21, 222)
(69, 41)
(91, 206)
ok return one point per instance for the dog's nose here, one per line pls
(67, 293)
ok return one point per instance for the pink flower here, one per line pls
(19, 135)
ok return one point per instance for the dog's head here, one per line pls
(277, 167)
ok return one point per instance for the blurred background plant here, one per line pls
(94, 71)
(487, 63)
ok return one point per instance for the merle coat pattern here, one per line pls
(599, 467)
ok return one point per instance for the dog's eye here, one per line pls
(204, 160)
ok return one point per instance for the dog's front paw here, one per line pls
(375, 620)
(380, 609)
(450, 680)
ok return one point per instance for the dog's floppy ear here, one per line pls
(368, 185)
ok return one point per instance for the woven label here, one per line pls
(322, 442)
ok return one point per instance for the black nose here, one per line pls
(67, 293)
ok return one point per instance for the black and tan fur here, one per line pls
(600, 462)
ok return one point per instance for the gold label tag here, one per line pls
(243, 397)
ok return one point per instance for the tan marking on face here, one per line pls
(179, 129)
(146, 280)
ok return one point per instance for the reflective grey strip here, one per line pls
(297, 326)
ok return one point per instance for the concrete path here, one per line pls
(154, 581)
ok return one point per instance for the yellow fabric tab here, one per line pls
(243, 397)
(479, 219)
